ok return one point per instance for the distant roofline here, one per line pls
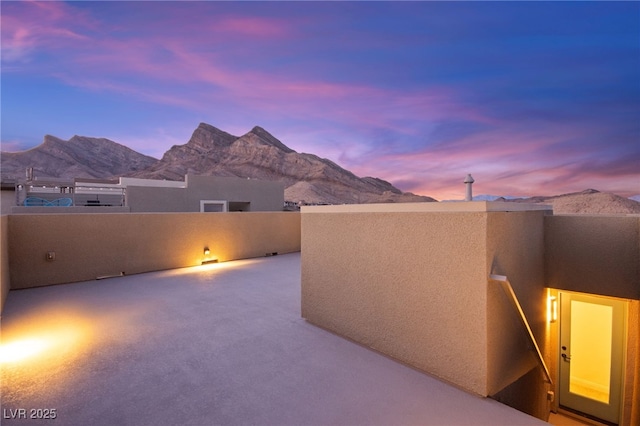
(462, 206)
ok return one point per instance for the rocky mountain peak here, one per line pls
(209, 136)
(269, 139)
(49, 141)
(260, 155)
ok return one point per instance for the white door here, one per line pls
(592, 342)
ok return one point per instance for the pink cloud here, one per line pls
(140, 67)
(443, 180)
(506, 160)
(266, 92)
(29, 25)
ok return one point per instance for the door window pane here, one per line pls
(590, 370)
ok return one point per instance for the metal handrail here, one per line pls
(506, 286)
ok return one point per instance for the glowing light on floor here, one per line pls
(21, 349)
(210, 267)
(49, 337)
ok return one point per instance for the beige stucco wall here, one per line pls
(410, 285)
(94, 245)
(4, 259)
(515, 248)
(415, 286)
(594, 254)
(7, 201)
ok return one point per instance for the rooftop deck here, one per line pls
(216, 344)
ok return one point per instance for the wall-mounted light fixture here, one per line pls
(552, 309)
(207, 257)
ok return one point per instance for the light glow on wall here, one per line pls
(552, 308)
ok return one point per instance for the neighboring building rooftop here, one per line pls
(216, 344)
(453, 206)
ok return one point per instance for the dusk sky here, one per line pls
(531, 98)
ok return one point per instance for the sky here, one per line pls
(531, 98)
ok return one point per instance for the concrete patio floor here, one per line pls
(218, 344)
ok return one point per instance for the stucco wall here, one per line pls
(94, 245)
(594, 254)
(141, 199)
(411, 285)
(7, 200)
(4, 260)
(263, 195)
(415, 286)
(515, 248)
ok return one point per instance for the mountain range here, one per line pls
(210, 152)
(80, 156)
(256, 155)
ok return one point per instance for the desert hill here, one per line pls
(589, 201)
(80, 156)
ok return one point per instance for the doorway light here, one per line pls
(552, 309)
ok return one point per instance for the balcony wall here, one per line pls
(412, 282)
(88, 246)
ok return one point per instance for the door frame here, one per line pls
(623, 357)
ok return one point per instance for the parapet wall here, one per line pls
(88, 246)
(412, 283)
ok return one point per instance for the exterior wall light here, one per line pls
(552, 309)
(207, 257)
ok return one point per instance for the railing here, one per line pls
(41, 202)
(48, 195)
(506, 286)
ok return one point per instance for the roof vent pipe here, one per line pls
(468, 181)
